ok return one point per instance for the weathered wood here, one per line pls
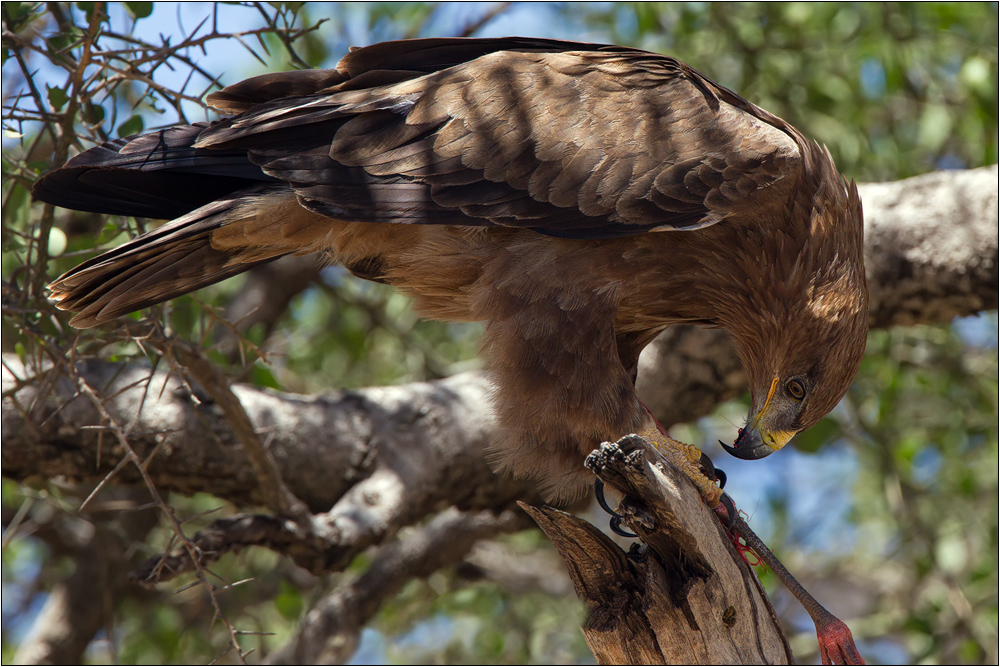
(610, 582)
(684, 596)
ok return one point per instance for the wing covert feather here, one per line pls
(583, 143)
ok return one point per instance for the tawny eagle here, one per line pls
(576, 198)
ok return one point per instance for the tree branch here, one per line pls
(931, 246)
(682, 597)
(365, 463)
(330, 632)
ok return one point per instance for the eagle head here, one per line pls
(803, 338)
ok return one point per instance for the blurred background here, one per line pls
(888, 509)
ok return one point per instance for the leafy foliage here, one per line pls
(893, 90)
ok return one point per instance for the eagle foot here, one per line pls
(616, 519)
(706, 469)
(689, 460)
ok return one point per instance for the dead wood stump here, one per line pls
(683, 596)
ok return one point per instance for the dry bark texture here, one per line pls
(686, 580)
(365, 464)
(931, 246)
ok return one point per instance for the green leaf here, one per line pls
(90, 7)
(289, 602)
(93, 113)
(263, 377)
(17, 211)
(139, 10)
(133, 125)
(57, 97)
(19, 14)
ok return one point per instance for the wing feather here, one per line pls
(575, 140)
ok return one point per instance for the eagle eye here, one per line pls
(796, 389)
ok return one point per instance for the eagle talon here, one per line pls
(599, 494)
(616, 527)
(616, 519)
(711, 472)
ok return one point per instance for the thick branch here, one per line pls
(931, 246)
(429, 436)
(366, 463)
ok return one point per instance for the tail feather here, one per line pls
(175, 259)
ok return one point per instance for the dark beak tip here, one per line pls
(763, 451)
(747, 452)
(729, 449)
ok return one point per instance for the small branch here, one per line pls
(227, 536)
(329, 632)
(285, 34)
(29, 79)
(475, 26)
(277, 496)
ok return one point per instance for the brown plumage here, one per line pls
(576, 198)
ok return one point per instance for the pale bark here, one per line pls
(366, 463)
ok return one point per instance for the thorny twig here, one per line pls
(90, 72)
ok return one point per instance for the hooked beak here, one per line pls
(755, 442)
